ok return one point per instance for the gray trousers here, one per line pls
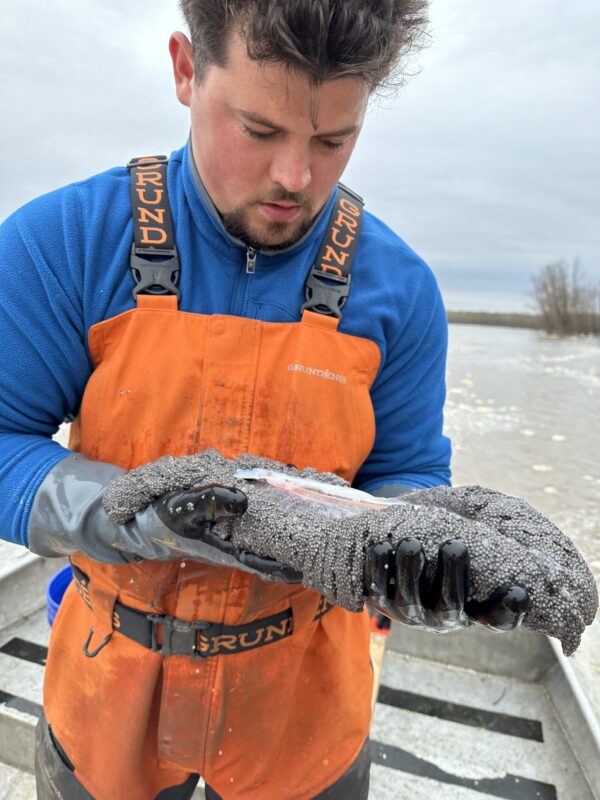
(55, 778)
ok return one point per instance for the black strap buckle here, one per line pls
(325, 298)
(328, 283)
(179, 638)
(155, 277)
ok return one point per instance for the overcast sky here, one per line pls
(487, 162)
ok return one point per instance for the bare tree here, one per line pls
(567, 304)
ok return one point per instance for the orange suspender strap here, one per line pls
(328, 282)
(154, 261)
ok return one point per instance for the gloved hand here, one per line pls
(68, 517)
(186, 514)
(397, 586)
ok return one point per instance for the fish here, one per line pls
(342, 501)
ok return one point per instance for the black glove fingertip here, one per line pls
(409, 566)
(378, 569)
(504, 610)
(409, 548)
(446, 597)
(409, 571)
(190, 511)
(517, 599)
(455, 550)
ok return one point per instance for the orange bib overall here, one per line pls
(279, 721)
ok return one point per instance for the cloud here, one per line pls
(492, 151)
(87, 85)
(487, 162)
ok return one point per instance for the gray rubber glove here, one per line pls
(67, 517)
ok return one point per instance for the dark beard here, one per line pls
(234, 224)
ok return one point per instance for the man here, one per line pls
(170, 659)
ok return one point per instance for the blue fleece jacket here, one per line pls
(64, 266)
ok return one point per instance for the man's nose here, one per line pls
(291, 169)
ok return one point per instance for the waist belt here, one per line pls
(170, 636)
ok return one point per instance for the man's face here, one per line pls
(268, 145)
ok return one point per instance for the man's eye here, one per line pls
(262, 137)
(332, 145)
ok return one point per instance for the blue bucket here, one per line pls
(57, 586)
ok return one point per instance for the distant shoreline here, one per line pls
(496, 318)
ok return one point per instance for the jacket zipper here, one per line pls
(250, 261)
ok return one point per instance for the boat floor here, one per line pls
(445, 732)
(456, 734)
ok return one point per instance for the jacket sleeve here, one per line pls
(408, 397)
(44, 363)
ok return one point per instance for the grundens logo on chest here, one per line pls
(318, 373)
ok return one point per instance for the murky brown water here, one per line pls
(523, 411)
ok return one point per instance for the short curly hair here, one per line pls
(326, 39)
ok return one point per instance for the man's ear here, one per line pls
(180, 49)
